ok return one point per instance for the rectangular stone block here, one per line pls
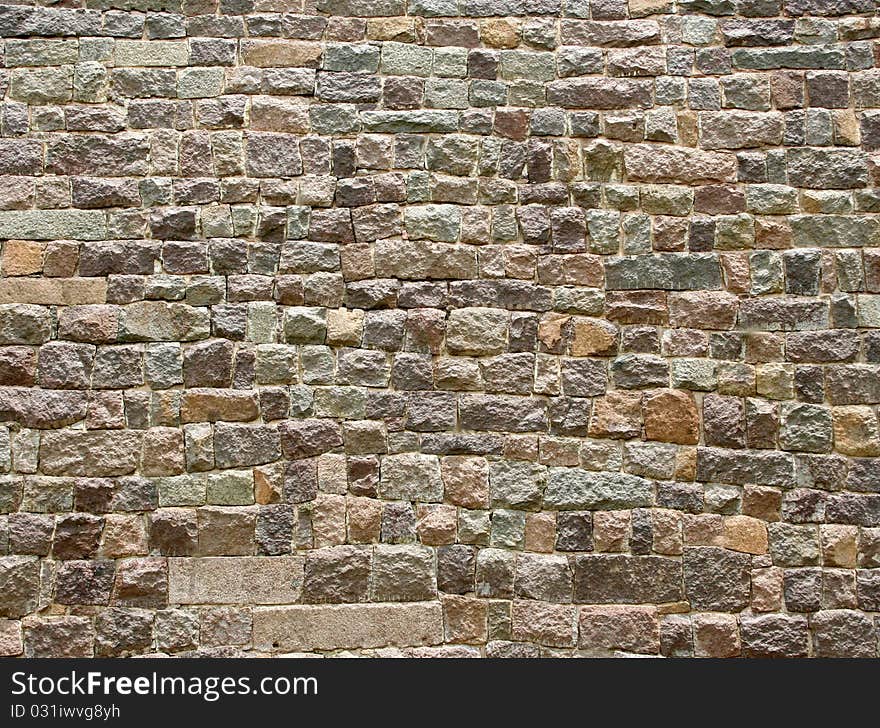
(235, 580)
(53, 224)
(347, 626)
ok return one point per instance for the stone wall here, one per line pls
(440, 327)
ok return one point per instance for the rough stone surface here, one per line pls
(440, 328)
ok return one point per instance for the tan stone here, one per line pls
(839, 545)
(213, 405)
(856, 431)
(287, 114)
(163, 451)
(618, 414)
(268, 484)
(53, 291)
(344, 327)
(235, 580)
(364, 519)
(124, 535)
(400, 29)
(332, 473)
(686, 463)
(716, 635)
(347, 626)
(500, 33)
(611, 530)
(746, 534)
(761, 501)
(767, 589)
(22, 257)
(280, 53)
(328, 520)
(703, 309)
(553, 625)
(671, 416)
(464, 619)
(641, 8)
(465, 480)
(436, 524)
(666, 528)
(550, 329)
(618, 627)
(593, 337)
(702, 529)
(847, 131)
(540, 532)
(10, 638)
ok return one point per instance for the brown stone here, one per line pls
(767, 589)
(671, 416)
(716, 635)
(553, 625)
(763, 502)
(618, 627)
(618, 415)
(464, 619)
(213, 405)
(465, 480)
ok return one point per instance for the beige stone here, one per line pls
(554, 625)
(347, 626)
(500, 32)
(618, 414)
(839, 545)
(235, 580)
(436, 523)
(856, 431)
(743, 533)
(465, 480)
(328, 520)
(610, 530)
(280, 53)
(273, 113)
(618, 627)
(268, 483)
(10, 638)
(702, 529)
(540, 532)
(124, 535)
(761, 501)
(212, 405)
(666, 531)
(364, 520)
(464, 619)
(593, 337)
(767, 589)
(550, 329)
(53, 291)
(22, 257)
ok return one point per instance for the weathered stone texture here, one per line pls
(440, 328)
